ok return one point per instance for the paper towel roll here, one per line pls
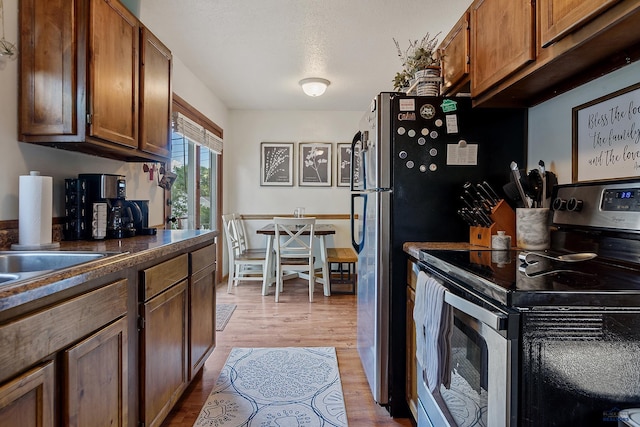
(35, 212)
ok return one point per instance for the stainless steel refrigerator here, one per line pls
(410, 160)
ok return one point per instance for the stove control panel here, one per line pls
(607, 205)
(621, 200)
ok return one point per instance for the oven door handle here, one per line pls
(496, 320)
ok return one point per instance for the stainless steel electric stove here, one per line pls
(569, 317)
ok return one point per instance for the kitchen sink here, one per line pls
(13, 265)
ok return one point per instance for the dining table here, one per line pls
(321, 231)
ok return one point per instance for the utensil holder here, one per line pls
(504, 219)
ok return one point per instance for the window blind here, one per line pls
(196, 133)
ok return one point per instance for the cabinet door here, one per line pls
(155, 95)
(455, 55)
(202, 318)
(113, 73)
(95, 379)
(49, 72)
(502, 40)
(28, 401)
(163, 353)
(556, 18)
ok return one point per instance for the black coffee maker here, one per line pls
(112, 191)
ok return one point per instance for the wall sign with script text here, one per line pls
(606, 137)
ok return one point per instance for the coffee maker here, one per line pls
(107, 215)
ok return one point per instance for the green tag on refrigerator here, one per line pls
(448, 106)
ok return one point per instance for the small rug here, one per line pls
(223, 314)
(276, 387)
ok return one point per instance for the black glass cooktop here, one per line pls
(505, 278)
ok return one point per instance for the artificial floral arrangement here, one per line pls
(420, 55)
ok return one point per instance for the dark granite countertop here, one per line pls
(413, 248)
(127, 253)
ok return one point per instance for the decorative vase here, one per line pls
(428, 81)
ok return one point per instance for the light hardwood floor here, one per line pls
(293, 322)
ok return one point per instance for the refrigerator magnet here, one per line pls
(408, 104)
(427, 111)
(452, 123)
(448, 106)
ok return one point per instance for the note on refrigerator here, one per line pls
(462, 154)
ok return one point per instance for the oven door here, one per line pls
(480, 389)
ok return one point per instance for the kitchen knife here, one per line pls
(484, 202)
(483, 218)
(489, 188)
(493, 202)
(466, 202)
(466, 217)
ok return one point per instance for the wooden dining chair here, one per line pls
(293, 244)
(241, 232)
(243, 264)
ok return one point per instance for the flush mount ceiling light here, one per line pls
(314, 86)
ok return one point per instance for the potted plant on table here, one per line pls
(421, 62)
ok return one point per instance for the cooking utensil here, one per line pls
(466, 202)
(535, 183)
(543, 174)
(574, 257)
(480, 188)
(516, 175)
(488, 187)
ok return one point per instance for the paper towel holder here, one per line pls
(30, 246)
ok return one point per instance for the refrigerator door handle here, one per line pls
(358, 245)
(356, 139)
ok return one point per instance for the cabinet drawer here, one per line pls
(162, 276)
(202, 258)
(28, 340)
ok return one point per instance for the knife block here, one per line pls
(504, 219)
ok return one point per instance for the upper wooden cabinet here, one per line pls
(502, 40)
(578, 41)
(556, 18)
(80, 80)
(155, 95)
(455, 54)
(113, 73)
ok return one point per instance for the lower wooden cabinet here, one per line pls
(119, 353)
(95, 379)
(88, 335)
(28, 400)
(163, 340)
(202, 307)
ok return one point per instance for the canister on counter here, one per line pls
(500, 241)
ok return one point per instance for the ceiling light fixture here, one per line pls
(314, 86)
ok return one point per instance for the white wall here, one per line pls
(550, 122)
(19, 158)
(242, 190)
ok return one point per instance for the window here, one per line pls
(196, 152)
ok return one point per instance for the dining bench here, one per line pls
(342, 266)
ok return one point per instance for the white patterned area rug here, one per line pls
(223, 314)
(276, 387)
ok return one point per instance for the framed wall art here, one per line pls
(315, 164)
(276, 164)
(606, 137)
(344, 167)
